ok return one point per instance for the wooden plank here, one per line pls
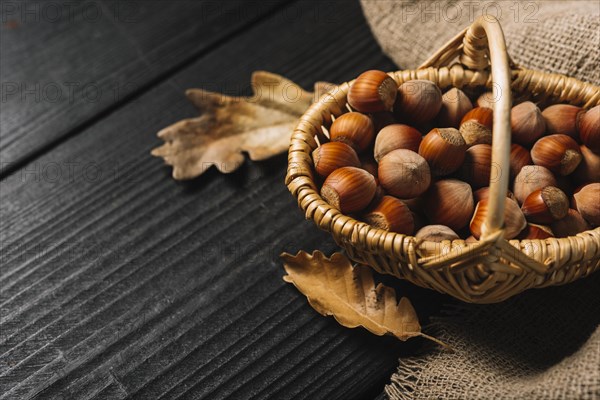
(118, 281)
(66, 64)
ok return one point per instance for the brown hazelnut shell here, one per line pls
(519, 157)
(373, 91)
(534, 231)
(589, 129)
(563, 119)
(530, 179)
(349, 189)
(455, 105)
(514, 220)
(353, 128)
(570, 225)
(476, 126)
(559, 153)
(444, 149)
(588, 169)
(587, 202)
(477, 167)
(333, 155)
(396, 136)
(404, 174)
(486, 99)
(436, 233)
(449, 202)
(526, 123)
(418, 101)
(391, 214)
(546, 205)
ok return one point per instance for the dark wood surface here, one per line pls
(66, 65)
(118, 281)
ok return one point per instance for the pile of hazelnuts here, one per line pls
(412, 160)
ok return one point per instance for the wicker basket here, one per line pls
(492, 269)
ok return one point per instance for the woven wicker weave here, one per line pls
(492, 269)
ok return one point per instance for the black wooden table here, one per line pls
(118, 281)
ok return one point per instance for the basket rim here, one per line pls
(521, 79)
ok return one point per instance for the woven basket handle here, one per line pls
(471, 45)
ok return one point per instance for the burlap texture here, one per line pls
(552, 36)
(542, 344)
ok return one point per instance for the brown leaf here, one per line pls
(260, 125)
(334, 287)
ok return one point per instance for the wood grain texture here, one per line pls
(94, 56)
(117, 281)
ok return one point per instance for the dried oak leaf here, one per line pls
(260, 125)
(334, 287)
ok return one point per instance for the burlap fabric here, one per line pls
(542, 344)
(552, 36)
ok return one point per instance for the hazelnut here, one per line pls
(354, 129)
(477, 167)
(546, 205)
(449, 202)
(519, 157)
(570, 225)
(418, 101)
(436, 233)
(392, 215)
(379, 193)
(455, 104)
(514, 220)
(587, 202)
(559, 153)
(487, 99)
(333, 155)
(589, 167)
(396, 136)
(373, 91)
(404, 174)
(530, 179)
(349, 189)
(589, 129)
(563, 119)
(444, 149)
(476, 126)
(526, 123)
(533, 231)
